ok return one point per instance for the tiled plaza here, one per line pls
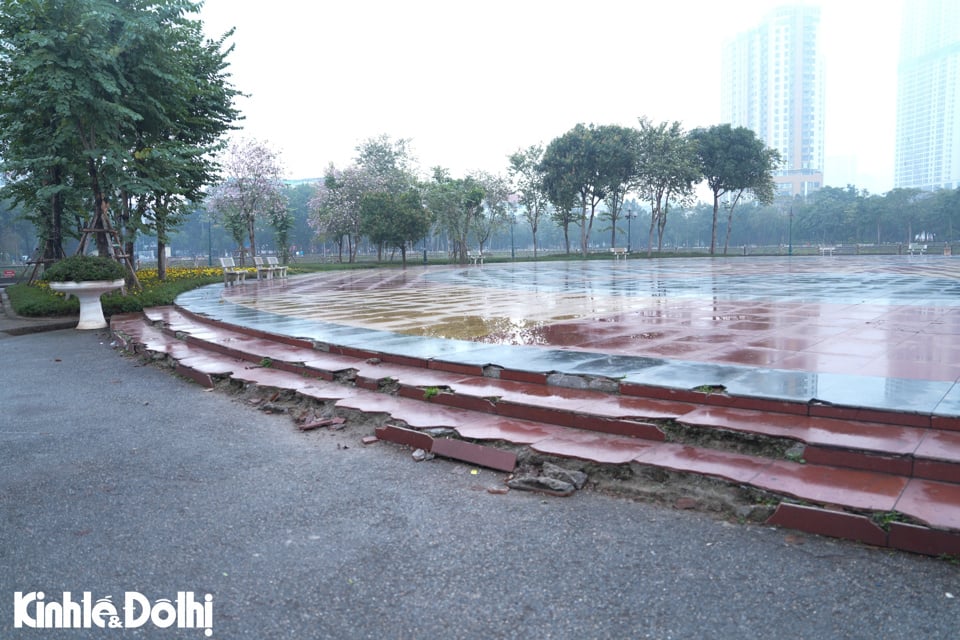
(878, 332)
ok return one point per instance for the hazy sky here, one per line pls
(470, 82)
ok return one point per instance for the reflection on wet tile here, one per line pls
(860, 316)
(950, 404)
(798, 386)
(895, 394)
(686, 375)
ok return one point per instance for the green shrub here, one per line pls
(83, 268)
(37, 300)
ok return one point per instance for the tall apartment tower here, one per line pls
(928, 96)
(773, 83)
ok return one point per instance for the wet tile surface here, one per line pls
(934, 503)
(879, 332)
(831, 485)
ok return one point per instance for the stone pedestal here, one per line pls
(88, 293)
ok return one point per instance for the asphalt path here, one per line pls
(119, 477)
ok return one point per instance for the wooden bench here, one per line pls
(827, 251)
(279, 269)
(619, 252)
(475, 258)
(232, 274)
(916, 248)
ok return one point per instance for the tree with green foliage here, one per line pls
(113, 108)
(734, 161)
(394, 220)
(336, 206)
(668, 169)
(622, 146)
(455, 204)
(105, 106)
(587, 163)
(388, 161)
(494, 211)
(527, 181)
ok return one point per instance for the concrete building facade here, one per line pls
(773, 84)
(928, 96)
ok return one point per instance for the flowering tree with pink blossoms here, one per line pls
(252, 189)
(335, 209)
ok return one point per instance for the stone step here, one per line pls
(820, 497)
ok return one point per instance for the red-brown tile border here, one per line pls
(945, 423)
(203, 379)
(453, 367)
(937, 470)
(407, 361)
(856, 459)
(523, 376)
(408, 437)
(478, 454)
(836, 524)
(931, 542)
(870, 415)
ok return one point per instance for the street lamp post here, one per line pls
(790, 236)
(629, 216)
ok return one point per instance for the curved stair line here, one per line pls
(876, 481)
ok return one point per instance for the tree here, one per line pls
(455, 203)
(493, 214)
(388, 161)
(668, 168)
(734, 161)
(903, 203)
(253, 189)
(336, 206)
(528, 185)
(394, 220)
(621, 145)
(106, 103)
(590, 163)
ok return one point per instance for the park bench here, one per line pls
(827, 251)
(475, 258)
(916, 248)
(279, 269)
(619, 252)
(231, 273)
(263, 268)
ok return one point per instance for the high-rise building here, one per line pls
(773, 84)
(928, 96)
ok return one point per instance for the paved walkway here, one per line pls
(877, 332)
(161, 487)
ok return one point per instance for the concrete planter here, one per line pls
(88, 293)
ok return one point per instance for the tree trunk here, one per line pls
(584, 233)
(661, 226)
(653, 222)
(53, 245)
(100, 209)
(251, 232)
(162, 259)
(713, 230)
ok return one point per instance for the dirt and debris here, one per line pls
(547, 474)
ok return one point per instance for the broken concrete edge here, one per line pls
(462, 450)
(899, 532)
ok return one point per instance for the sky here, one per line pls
(469, 83)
